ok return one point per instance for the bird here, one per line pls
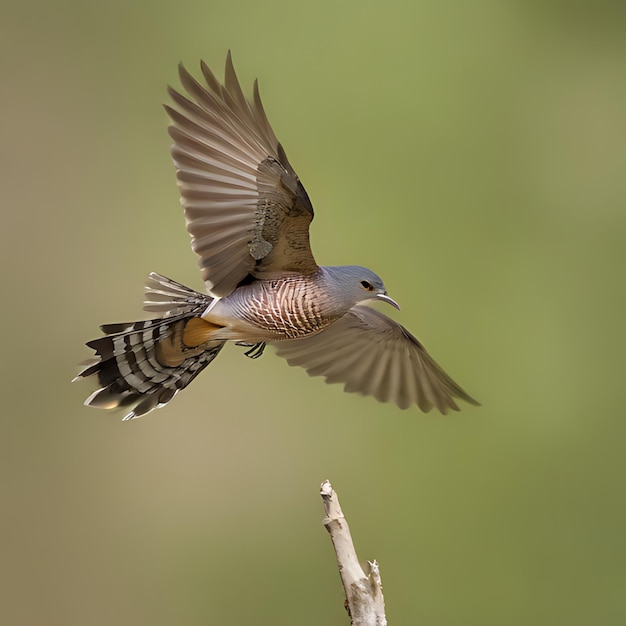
(248, 216)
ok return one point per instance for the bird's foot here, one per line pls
(256, 349)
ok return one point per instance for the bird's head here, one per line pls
(358, 284)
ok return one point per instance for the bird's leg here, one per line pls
(256, 349)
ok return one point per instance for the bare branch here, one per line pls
(364, 591)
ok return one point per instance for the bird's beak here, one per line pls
(385, 298)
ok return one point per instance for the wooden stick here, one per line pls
(364, 591)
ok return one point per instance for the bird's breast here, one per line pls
(279, 309)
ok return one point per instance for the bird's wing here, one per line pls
(247, 212)
(373, 355)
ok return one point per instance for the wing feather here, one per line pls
(373, 355)
(246, 210)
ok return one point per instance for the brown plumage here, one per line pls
(248, 215)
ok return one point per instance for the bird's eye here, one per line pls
(367, 286)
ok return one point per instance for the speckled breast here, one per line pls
(287, 308)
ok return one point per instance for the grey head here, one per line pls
(348, 285)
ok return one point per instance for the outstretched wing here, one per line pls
(247, 212)
(373, 355)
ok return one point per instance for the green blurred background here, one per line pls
(473, 154)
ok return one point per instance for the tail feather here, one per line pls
(142, 365)
(166, 296)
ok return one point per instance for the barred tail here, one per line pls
(141, 366)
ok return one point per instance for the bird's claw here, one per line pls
(256, 349)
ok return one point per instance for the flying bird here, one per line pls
(248, 215)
